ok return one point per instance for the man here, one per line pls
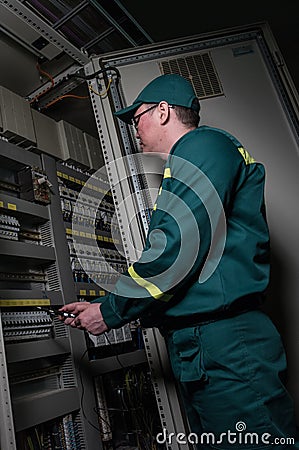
(203, 274)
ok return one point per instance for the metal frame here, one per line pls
(289, 95)
(52, 35)
(113, 22)
(115, 161)
(45, 30)
(7, 434)
(64, 82)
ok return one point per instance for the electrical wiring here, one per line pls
(38, 438)
(74, 75)
(79, 96)
(101, 94)
(31, 439)
(97, 409)
(145, 420)
(65, 96)
(132, 403)
(108, 446)
(30, 443)
(83, 391)
(144, 432)
(42, 72)
(95, 74)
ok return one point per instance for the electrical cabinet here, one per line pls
(40, 389)
(125, 401)
(60, 242)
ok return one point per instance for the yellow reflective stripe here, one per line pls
(247, 157)
(159, 193)
(153, 290)
(167, 173)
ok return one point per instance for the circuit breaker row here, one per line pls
(61, 433)
(26, 325)
(117, 336)
(96, 262)
(9, 227)
(86, 212)
(90, 263)
(93, 255)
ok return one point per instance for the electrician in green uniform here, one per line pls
(202, 276)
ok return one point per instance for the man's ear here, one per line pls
(163, 109)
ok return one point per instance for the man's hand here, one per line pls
(88, 317)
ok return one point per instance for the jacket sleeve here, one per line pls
(186, 233)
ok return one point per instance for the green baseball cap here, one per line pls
(172, 88)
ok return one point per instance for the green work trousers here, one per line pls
(232, 376)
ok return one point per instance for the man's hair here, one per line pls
(187, 116)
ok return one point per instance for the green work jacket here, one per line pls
(207, 247)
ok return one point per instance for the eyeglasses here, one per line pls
(136, 119)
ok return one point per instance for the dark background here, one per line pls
(164, 20)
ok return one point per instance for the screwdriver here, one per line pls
(57, 313)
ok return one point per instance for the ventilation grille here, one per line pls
(46, 234)
(199, 70)
(61, 331)
(53, 278)
(68, 373)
